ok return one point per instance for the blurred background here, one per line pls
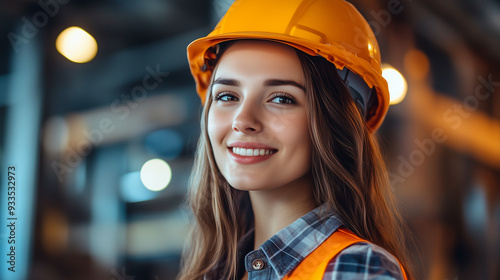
(99, 119)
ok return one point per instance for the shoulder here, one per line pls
(363, 261)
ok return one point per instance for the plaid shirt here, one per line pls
(286, 249)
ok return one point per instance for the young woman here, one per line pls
(288, 180)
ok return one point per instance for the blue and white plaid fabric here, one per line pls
(284, 251)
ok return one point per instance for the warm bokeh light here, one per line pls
(397, 84)
(156, 174)
(76, 45)
(417, 65)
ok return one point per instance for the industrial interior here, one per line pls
(102, 134)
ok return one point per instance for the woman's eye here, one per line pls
(283, 99)
(225, 97)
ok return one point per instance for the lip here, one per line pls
(249, 159)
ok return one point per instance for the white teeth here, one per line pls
(251, 152)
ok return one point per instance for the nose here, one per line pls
(247, 120)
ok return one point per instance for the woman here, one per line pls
(288, 181)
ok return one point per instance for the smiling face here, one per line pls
(257, 123)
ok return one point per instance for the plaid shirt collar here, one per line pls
(287, 248)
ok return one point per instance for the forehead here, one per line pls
(246, 58)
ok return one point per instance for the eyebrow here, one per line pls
(227, 82)
(269, 83)
(277, 82)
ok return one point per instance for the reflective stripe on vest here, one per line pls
(314, 265)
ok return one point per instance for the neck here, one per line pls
(277, 208)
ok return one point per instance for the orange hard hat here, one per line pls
(333, 29)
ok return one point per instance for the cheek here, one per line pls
(297, 136)
(293, 127)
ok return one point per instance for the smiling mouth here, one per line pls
(253, 152)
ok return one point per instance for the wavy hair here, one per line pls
(349, 176)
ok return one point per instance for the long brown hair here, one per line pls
(349, 172)
(349, 176)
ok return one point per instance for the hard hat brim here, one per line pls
(336, 54)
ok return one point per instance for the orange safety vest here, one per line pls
(314, 265)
